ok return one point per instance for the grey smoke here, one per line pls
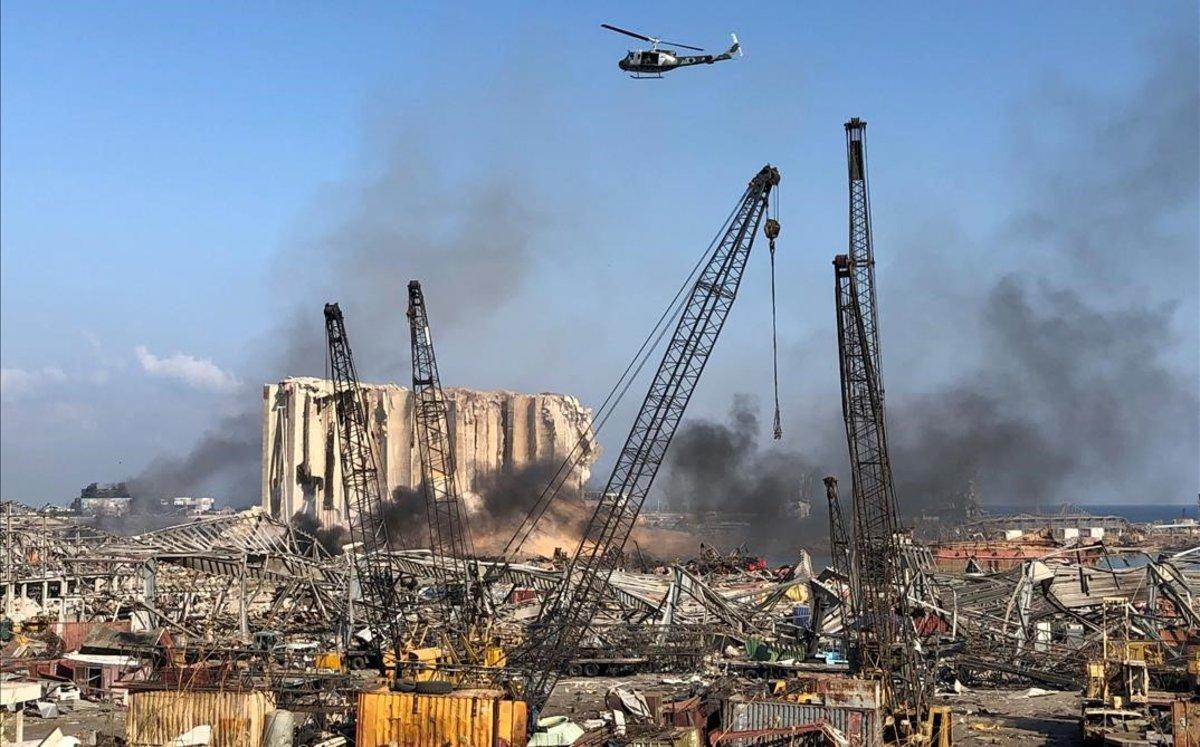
(470, 241)
(470, 244)
(1068, 399)
(225, 459)
(1070, 375)
(1085, 378)
(1064, 368)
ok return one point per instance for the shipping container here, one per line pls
(1185, 716)
(863, 727)
(158, 716)
(464, 718)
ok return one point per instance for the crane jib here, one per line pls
(570, 610)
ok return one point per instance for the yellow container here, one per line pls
(158, 716)
(464, 718)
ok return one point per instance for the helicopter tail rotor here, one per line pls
(736, 48)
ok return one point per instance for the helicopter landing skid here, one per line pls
(639, 76)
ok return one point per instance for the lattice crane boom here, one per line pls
(862, 241)
(378, 576)
(567, 615)
(839, 536)
(885, 645)
(449, 533)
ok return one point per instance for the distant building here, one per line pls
(187, 505)
(103, 500)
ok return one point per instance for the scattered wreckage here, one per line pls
(249, 607)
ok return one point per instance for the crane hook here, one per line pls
(771, 230)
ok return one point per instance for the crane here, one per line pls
(839, 537)
(378, 577)
(565, 618)
(841, 593)
(449, 533)
(885, 645)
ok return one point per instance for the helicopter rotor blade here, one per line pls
(629, 33)
(682, 46)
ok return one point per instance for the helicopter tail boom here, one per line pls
(735, 49)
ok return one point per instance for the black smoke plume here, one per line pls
(506, 496)
(473, 242)
(503, 498)
(331, 539)
(1080, 372)
(226, 459)
(722, 468)
(405, 518)
(1068, 398)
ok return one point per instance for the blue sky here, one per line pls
(174, 174)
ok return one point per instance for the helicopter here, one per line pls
(653, 62)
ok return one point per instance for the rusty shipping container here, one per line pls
(158, 716)
(863, 727)
(1185, 716)
(464, 718)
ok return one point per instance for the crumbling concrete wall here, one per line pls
(491, 431)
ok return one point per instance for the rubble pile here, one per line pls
(720, 647)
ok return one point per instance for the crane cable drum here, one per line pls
(771, 231)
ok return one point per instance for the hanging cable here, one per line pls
(771, 229)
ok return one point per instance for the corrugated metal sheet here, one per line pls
(862, 726)
(465, 718)
(237, 718)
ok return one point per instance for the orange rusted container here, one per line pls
(464, 718)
